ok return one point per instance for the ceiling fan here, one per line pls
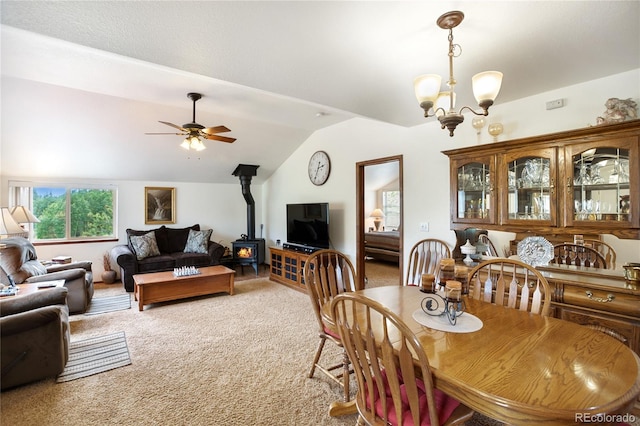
(193, 131)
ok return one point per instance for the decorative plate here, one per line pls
(535, 251)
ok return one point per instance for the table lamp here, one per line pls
(377, 216)
(8, 225)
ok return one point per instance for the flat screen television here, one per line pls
(308, 224)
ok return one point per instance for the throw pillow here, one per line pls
(198, 241)
(144, 245)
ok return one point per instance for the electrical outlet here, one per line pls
(424, 226)
(558, 103)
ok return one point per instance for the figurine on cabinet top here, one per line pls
(618, 110)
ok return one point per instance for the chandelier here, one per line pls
(486, 85)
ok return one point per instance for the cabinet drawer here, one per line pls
(603, 300)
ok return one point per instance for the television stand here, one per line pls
(287, 267)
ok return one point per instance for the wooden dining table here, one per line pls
(521, 368)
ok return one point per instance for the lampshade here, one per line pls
(486, 85)
(377, 213)
(444, 102)
(193, 142)
(8, 225)
(22, 215)
(427, 87)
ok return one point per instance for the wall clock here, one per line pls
(319, 167)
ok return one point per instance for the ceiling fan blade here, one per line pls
(219, 138)
(179, 134)
(214, 130)
(173, 125)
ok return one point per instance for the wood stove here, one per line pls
(248, 250)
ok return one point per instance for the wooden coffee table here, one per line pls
(164, 286)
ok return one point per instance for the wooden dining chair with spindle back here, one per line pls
(578, 255)
(395, 382)
(424, 258)
(328, 273)
(490, 248)
(510, 283)
(605, 250)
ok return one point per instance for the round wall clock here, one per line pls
(319, 167)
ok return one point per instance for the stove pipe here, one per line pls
(246, 172)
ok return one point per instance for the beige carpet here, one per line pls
(214, 360)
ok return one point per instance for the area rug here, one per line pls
(95, 355)
(102, 305)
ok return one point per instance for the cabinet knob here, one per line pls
(609, 298)
(569, 183)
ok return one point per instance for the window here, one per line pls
(68, 212)
(391, 209)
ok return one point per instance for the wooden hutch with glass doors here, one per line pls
(584, 181)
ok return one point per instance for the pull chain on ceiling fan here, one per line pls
(194, 131)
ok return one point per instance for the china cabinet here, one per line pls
(583, 181)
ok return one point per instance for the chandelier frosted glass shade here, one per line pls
(486, 86)
(427, 88)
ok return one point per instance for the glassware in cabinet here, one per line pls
(529, 186)
(474, 195)
(601, 190)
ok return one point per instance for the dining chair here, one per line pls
(490, 248)
(424, 258)
(510, 283)
(578, 255)
(395, 383)
(605, 250)
(328, 273)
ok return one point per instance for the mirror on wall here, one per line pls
(379, 222)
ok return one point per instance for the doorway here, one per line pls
(379, 185)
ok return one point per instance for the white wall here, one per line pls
(426, 169)
(220, 207)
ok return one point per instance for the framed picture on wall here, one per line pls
(160, 205)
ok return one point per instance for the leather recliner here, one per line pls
(34, 336)
(19, 264)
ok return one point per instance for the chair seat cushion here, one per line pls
(445, 405)
(331, 333)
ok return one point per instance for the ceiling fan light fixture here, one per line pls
(193, 131)
(197, 144)
(486, 85)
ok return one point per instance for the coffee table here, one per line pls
(164, 286)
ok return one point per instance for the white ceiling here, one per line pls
(266, 69)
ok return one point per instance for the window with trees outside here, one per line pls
(391, 209)
(68, 212)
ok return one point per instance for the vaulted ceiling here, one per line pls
(275, 72)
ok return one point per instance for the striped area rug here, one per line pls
(95, 355)
(101, 305)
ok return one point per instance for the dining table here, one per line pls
(517, 367)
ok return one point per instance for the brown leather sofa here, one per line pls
(34, 336)
(19, 263)
(171, 247)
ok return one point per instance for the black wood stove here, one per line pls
(248, 250)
